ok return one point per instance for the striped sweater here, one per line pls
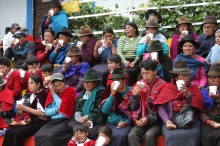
(127, 48)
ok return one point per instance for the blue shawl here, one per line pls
(58, 21)
(76, 69)
(192, 63)
(89, 104)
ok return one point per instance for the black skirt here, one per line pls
(210, 136)
(55, 133)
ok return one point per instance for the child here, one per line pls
(105, 135)
(114, 61)
(47, 71)
(80, 138)
(32, 63)
(22, 118)
(213, 56)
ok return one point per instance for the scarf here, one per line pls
(193, 64)
(174, 93)
(68, 97)
(80, 68)
(89, 104)
(62, 53)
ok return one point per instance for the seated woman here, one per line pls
(195, 62)
(15, 136)
(152, 34)
(6, 101)
(103, 49)
(210, 130)
(164, 63)
(59, 107)
(127, 47)
(89, 40)
(183, 28)
(119, 119)
(170, 102)
(59, 53)
(45, 47)
(87, 104)
(74, 69)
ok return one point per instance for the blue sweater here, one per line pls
(214, 54)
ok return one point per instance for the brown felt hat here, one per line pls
(152, 23)
(183, 20)
(155, 46)
(180, 67)
(73, 51)
(85, 30)
(210, 19)
(214, 70)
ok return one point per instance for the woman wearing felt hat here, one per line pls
(56, 18)
(170, 102)
(152, 34)
(164, 63)
(74, 69)
(87, 104)
(210, 129)
(119, 118)
(195, 62)
(183, 28)
(89, 40)
(58, 54)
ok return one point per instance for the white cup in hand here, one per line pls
(16, 41)
(67, 59)
(116, 85)
(61, 42)
(154, 55)
(140, 83)
(51, 12)
(22, 73)
(150, 35)
(90, 123)
(213, 89)
(185, 32)
(49, 45)
(179, 84)
(100, 141)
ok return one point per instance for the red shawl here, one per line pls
(68, 97)
(148, 95)
(170, 92)
(3, 124)
(6, 99)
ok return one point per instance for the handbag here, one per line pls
(184, 119)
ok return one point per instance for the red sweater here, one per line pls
(26, 78)
(88, 142)
(14, 83)
(41, 55)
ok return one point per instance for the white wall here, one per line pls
(12, 11)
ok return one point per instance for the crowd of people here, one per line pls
(110, 91)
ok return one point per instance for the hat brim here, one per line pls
(65, 33)
(79, 35)
(209, 23)
(213, 75)
(189, 23)
(74, 54)
(155, 50)
(147, 14)
(88, 80)
(181, 73)
(4, 82)
(57, 79)
(195, 43)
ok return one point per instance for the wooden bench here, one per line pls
(30, 141)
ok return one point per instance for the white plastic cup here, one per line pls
(100, 141)
(50, 45)
(61, 42)
(22, 73)
(213, 89)
(67, 59)
(51, 12)
(16, 41)
(150, 35)
(91, 123)
(116, 85)
(179, 84)
(43, 42)
(185, 32)
(140, 83)
(154, 55)
(79, 44)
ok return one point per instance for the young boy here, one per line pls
(47, 71)
(80, 138)
(114, 61)
(213, 56)
(32, 64)
(105, 135)
(22, 118)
